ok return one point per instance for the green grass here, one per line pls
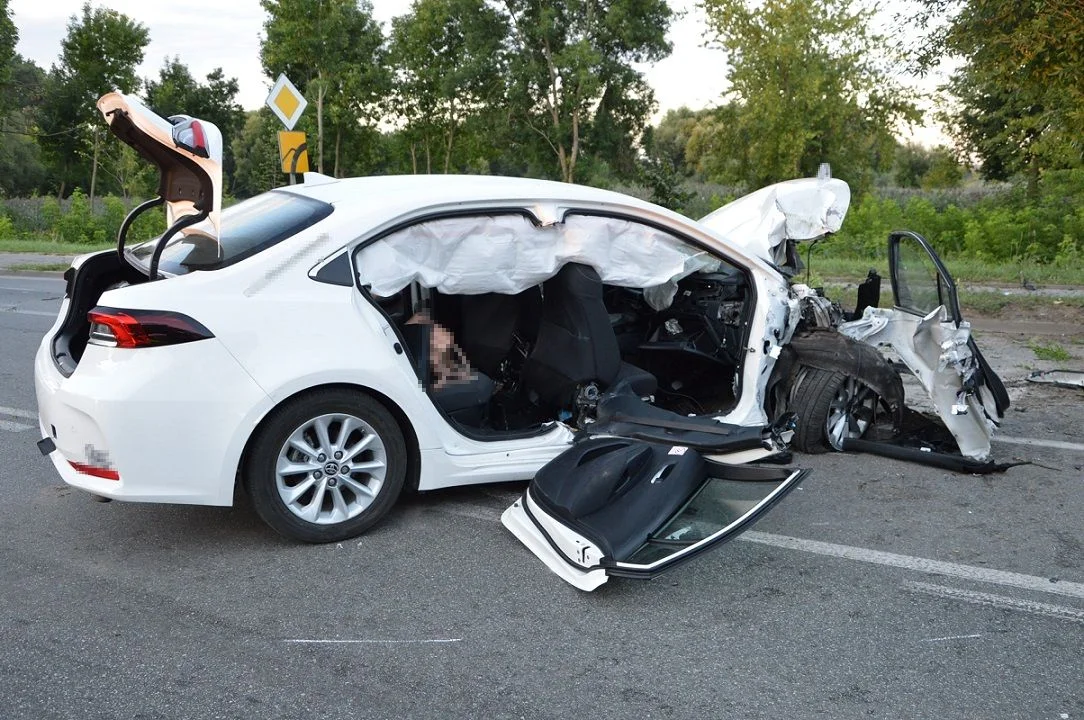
(38, 267)
(980, 302)
(44, 246)
(1049, 351)
(964, 271)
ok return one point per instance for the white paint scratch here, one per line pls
(375, 642)
(1061, 612)
(952, 637)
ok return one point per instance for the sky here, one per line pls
(206, 34)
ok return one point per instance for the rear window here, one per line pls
(249, 227)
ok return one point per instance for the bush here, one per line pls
(73, 220)
(996, 224)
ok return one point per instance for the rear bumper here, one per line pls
(171, 421)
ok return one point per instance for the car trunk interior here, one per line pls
(100, 272)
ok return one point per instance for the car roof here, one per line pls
(392, 193)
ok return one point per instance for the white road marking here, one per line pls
(1056, 444)
(907, 562)
(16, 311)
(375, 642)
(12, 426)
(1060, 612)
(9, 426)
(952, 637)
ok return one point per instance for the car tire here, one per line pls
(823, 399)
(326, 466)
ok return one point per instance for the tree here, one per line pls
(256, 151)
(449, 62)
(333, 51)
(1020, 90)
(22, 171)
(9, 36)
(177, 92)
(571, 64)
(100, 53)
(811, 85)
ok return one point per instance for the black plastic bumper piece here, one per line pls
(46, 445)
(945, 461)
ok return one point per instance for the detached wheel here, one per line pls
(831, 406)
(326, 466)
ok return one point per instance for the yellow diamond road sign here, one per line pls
(286, 102)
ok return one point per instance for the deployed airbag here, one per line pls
(508, 254)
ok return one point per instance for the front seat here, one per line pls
(490, 323)
(576, 344)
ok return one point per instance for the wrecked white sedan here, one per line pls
(328, 344)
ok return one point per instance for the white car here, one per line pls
(268, 345)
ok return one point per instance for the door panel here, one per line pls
(622, 507)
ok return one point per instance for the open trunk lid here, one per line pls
(187, 152)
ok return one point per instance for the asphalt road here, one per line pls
(878, 589)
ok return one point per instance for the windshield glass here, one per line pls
(249, 227)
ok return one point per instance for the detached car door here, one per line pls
(928, 332)
(912, 260)
(618, 507)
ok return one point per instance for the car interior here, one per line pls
(552, 351)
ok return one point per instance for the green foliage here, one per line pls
(449, 62)
(665, 183)
(572, 83)
(1020, 89)
(78, 225)
(256, 151)
(1051, 351)
(72, 223)
(9, 35)
(811, 84)
(333, 51)
(22, 169)
(100, 53)
(1010, 227)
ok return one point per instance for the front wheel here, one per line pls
(326, 466)
(831, 407)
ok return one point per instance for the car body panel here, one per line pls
(174, 442)
(762, 221)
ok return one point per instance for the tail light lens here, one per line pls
(111, 327)
(188, 133)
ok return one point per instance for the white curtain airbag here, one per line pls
(509, 254)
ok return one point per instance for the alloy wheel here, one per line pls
(331, 468)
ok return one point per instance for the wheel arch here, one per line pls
(827, 349)
(402, 420)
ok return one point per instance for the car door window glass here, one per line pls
(918, 284)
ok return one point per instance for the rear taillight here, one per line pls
(111, 327)
(189, 134)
